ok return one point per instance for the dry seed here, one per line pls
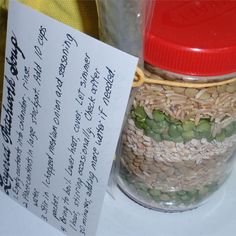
(179, 90)
(190, 92)
(200, 93)
(164, 197)
(215, 94)
(162, 176)
(163, 167)
(221, 89)
(146, 174)
(170, 171)
(205, 96)
(146, 138)
(166, 87)
(152, 168)
(230, 88)
(137, 164)
(138, 172)
(143, 167)
(234, 86)
(211, 90)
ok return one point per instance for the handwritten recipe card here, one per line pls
(65, 96)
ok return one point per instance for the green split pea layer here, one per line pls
(172, 198)
(163, 127)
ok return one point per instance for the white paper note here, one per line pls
(65, 96)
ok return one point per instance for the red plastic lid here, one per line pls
(195, 37)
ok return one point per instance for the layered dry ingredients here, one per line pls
(178, 144)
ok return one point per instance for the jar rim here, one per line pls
(185, 77)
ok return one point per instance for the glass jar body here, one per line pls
(178, 143)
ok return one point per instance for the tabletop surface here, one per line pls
(123, 217)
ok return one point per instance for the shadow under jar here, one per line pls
(179, 140)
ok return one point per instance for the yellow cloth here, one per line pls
(3, 25)
(79, 14)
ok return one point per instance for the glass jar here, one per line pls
(178, 143)
(179, 140)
